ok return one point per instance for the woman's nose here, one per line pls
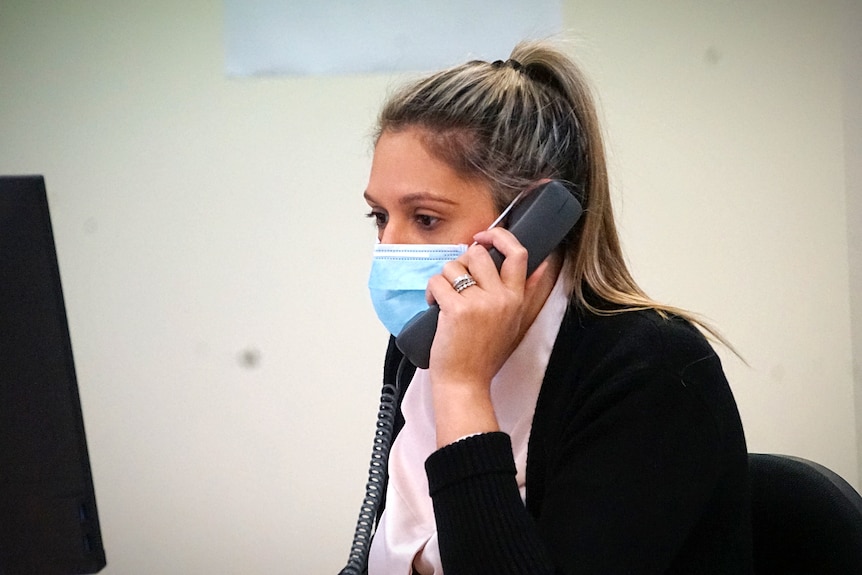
(394, 233)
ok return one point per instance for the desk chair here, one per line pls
(805, 518)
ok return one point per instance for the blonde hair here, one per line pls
(514, 123)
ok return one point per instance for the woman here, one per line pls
(567, 423)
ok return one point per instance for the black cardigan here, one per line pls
(636, 462)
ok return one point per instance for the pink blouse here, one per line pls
(406, 538)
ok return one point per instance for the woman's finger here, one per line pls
(513, 272)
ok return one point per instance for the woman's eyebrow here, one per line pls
(415, 197)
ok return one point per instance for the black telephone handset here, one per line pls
(540, 221)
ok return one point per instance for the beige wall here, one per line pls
(853, 168)
(201, 219)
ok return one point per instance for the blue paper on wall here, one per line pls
(303, 37)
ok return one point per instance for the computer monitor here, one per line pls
(48, 519)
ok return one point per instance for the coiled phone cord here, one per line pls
(357, 562)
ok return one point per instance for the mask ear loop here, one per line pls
(506, 211)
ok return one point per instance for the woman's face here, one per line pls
(417, 199)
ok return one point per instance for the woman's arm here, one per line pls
(479, 328)
(632, 445)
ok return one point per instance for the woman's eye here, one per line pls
(425, 221)
(378, 217)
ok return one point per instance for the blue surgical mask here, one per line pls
(399, 276)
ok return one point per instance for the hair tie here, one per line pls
(514, 64)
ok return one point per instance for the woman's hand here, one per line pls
(479, 328)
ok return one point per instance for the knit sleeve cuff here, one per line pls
(472, 456)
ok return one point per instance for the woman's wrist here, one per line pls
(461, 411)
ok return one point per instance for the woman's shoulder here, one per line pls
(632, 349)
(647, 331)
(605, 362)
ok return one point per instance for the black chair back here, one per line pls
(805, 518)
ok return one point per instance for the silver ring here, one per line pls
(461, 283)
